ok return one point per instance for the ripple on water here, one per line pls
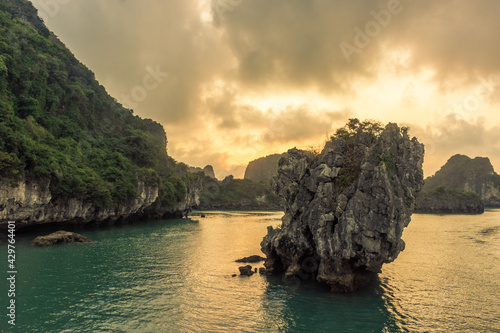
(175, 276)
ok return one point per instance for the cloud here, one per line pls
(222, 66)
(454, 135)
(297, 43)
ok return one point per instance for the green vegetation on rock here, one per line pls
(445, 201)
(58, 123)
(237, 194)
(464, 174)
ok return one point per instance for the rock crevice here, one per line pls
(31, 203)
(345, 208)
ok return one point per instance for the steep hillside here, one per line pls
(68, 150)
(462, 173)
(263, 169)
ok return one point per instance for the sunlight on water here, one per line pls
(176, 276)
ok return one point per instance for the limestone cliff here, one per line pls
(463, 173)
(445, 201)
(346, 208)
(263, 169)
(69, 152)
(31, 203)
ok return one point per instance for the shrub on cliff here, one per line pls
(58, 122)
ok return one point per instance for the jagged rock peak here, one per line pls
(346, 208)
(463, 173)
(208, 171)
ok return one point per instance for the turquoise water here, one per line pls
(175, 276)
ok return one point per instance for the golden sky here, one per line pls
(234, 80)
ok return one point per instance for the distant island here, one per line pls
(263, 169)
(462, 185)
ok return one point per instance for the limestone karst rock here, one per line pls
(346, 208)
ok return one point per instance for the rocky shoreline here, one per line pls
(30, 204)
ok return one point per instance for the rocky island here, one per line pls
(462, 185)
(346, 208)
(445, 201)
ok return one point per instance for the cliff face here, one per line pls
(465, 174)
(69, 152)
(263, 169)
(345, 209)
(443, 201)
(31, 203)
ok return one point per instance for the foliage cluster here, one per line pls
(57, 122)
(237, 193)
(351, 166)
(354, 125)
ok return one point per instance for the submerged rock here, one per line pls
(60, 237)
(346, 208)
(251, 259)
(246, 270)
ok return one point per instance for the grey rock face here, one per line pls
(443, 201)
(209, 171)
(30, 203)
(463, 173)
(345, 209)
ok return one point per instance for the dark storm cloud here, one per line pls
(275, 47)
(119, 40)
(296, 42)
(272, 45)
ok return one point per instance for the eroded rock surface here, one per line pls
(60, 237)
(246, 270)
(346, 208)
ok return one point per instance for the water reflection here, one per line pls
(311, 308)
(176, 276)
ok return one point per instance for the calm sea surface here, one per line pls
(175, 276)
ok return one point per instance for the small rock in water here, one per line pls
(246, 270)
(252, 259)
(60, 237)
